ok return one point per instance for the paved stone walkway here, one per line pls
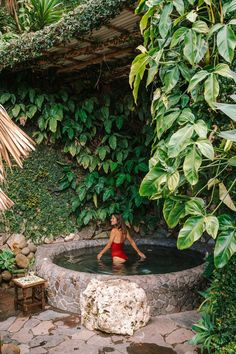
(51, 331)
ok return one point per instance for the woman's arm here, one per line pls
(108, 245)
(133, 244)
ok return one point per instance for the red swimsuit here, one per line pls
(117, 250)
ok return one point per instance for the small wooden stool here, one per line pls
(32, 292)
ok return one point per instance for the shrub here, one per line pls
(217, 328)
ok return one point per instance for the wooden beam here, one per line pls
(117, 29)
(98, 60)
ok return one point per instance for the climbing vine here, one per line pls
(105, 136)
(187, 57)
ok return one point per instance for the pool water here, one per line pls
(159, 260)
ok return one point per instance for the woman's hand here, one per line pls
(142, 255)
(99, 256)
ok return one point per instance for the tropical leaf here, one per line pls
(174, 210)
(228, 109)
(212, 225)
(148, 186)
(229, 135)
(173, 181)
(192, 230)
(180, 140)
(195, 206)
(206, 148)
(226, 42)
(191, 165)
(225, 246)
(197, 78)
(211, 90)
(200, 27)
(225, 197)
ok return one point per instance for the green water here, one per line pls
(159, 260)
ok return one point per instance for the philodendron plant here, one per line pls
(188, 58)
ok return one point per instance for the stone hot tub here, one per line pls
(170, 292)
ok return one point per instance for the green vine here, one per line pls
(75, 24)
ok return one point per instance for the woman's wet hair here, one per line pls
(120, 223)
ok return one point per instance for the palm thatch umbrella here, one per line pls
(14, 144)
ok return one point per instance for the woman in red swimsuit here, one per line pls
(118, 236)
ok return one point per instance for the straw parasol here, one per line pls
(14, 144)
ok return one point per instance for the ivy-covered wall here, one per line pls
(41, 209)
(103, 134)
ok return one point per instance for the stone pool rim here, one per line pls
(65, 285)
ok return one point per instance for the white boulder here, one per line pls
(114, 306)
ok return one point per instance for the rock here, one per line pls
(69, 237)
(32, 247)
(58, 240)
(48, 240)
(0, 278)
(30, 256)
(5, 247)
(6, 275)
(114, 306)
(25, 251)
(103, 234)
(10, 348)
(86, 233)
(22, 261)
(3, 238)
(17, 241)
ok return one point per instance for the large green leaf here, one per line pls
(179, 5)
(148, 186)
(173, 181)
(200, 49)
(195, 206)
(212, 225)
(197, 78)
(190, 41)
(225, 246)
(226, 42)
(174, 210)
(228, 109)
(192, 230)
(211, 90)
(229, 135)
(178, 36)
(200, 27)
(165, 20)
(171, 78)
(201, 129)
(163, 123)
(180, 140)
(186, 116)
(225, 71)
(206, 148)
(191, 165)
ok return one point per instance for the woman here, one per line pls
(118, 236)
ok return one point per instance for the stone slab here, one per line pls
(43, 328)
(7, 323)
(50, 315)
(18, 324)
(179, 336)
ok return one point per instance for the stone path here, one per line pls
(51, 331)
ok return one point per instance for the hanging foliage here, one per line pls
(188, 56)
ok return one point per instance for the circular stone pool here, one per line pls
(170, 278)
